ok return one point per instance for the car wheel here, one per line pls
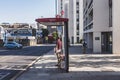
(16, 47)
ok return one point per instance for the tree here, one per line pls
(55, 35)
(45, 32)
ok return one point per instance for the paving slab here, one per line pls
(82, 67)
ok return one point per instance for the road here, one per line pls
(13, 62)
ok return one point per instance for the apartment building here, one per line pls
(116, 26)
(101, 25)
(73, 10)
(63, 8)
(75, 20)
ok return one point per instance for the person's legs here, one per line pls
(57, 59)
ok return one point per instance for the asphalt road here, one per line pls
(13, 62)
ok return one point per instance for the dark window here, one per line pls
(110, 13)
(77, 32)
(77, 19)
(110, 3)
(78, 39)
(77, 11)
(77, 3)
(77, 26)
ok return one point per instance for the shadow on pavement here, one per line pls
(7, 74)
(81, 67)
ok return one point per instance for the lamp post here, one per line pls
(56, 7)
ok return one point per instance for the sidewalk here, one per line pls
(82, 67)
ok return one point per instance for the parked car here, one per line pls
(13, 45)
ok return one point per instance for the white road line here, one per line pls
(3, 50)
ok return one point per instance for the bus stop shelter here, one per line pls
(64, 23)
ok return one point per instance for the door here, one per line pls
(106, 42)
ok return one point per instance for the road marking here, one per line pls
(3, 50)
(18, 74)
(3, 75)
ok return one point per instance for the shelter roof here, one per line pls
(52, 21)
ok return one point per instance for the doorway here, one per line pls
(106, 42)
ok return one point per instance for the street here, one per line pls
(13, 62)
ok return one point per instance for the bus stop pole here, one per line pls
(66, 47)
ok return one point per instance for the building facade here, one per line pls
(2, 32)
(101, 25)
(63, 8)
(73, 10)
(19, 32)
(116, 26)
(75, 20)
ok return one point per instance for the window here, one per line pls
(110, 3)
(110, 13)
(77, 3)
(77, 20)
(77, 32)
(77, 11)
(77, 26)
(78, 39)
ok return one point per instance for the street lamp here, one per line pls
(56, 7)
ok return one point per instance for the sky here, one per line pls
(25, 11)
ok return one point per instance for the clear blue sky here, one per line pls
(22, 11)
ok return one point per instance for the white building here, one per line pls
(73, 10)
(116, 26)
(101, 25)
(97, 30)
(75, 20)
(63, 8)
(2, 32)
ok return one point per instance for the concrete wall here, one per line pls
(100, 22)
(116, 26)
(97, 42)
(100, 15)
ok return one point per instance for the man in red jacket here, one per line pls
(58, 51)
